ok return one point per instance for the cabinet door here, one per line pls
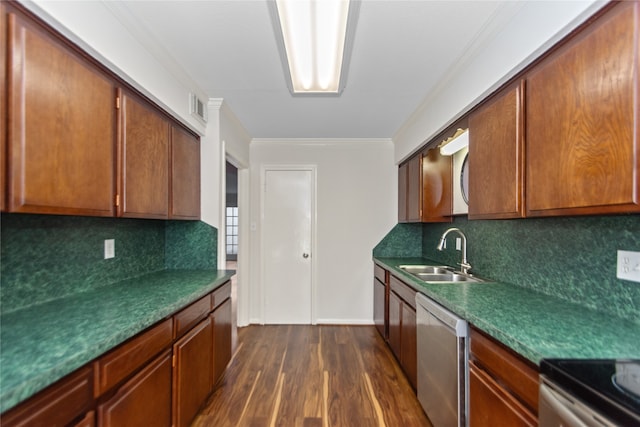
(408, 341)
(437, 190)
(402, 192)
(61, 127)
(221, 320)
(496, 157)
(3, 108)
(490, 405)
(414, 189)
(192, 372)
(185, 175)
(144, 160)
(143, 400)
(379, 290)
(582, 121)
(395, 313)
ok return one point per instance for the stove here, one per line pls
(610, 388)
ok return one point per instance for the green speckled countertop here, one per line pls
(534, 325)
(43, 343)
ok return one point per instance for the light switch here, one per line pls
(109, 248)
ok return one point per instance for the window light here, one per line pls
(314, 34)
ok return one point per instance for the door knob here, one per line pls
(305, 255)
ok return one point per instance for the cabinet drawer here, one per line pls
(491, 405)
(57, 405)
(510, 369)
(124, 360)
(190, 316)
(380, 273)
(220, 295)
(404, 291)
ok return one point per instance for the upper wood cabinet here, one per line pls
(496, 157)
(143, 185)
(410, 190)
(185, 175)
(3, 108)
(582, 128)
(437, 190)
(402, 192)
(61, 123)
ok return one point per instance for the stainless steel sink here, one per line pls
(426, 269)
(438, 274)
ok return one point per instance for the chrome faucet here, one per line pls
(464, 265)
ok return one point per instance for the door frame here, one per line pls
(314, 214)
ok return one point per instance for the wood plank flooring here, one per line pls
(308, 376)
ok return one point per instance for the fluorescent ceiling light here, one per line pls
(456, 143)
(314, 34)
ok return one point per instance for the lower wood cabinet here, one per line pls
(222, 329)
(160, 377)
(503, 387)
(402, 327)
(143, 400)
(381, 300)
(192, 372)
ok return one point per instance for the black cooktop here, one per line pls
(609, 386)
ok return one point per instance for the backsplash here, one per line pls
(573, 258)
(45, 257)
(404, 240)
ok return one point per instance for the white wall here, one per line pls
(531, 28)
(356, 180)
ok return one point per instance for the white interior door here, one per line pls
(287, 233)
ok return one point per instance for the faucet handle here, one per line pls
(465, 267)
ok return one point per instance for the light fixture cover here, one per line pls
(314, 34)
(456, 143)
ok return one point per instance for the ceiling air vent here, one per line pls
(197, 108)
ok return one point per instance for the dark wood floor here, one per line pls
(312, 376)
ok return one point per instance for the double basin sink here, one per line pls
(438, 274)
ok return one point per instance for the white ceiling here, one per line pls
(402, 51)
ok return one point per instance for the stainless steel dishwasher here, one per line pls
(443, 363)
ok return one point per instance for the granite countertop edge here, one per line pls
(533, 324)
(43, 343)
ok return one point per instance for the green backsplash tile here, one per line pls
(44, 257)
(573, 258)
(404, 240)
(191, 245)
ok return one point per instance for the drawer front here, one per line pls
(220, 295)
(404, 291)
(190, 316)
(512, 370)
(124, 360)
(380, 273)
(57, 405)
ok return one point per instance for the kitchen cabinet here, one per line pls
(222, 328)
(496, 156)
(143, 185)
(3, 108)
(185, 175)
(425, 189)
(402, 327)
(381, 299)
(582, 121)
(61, 404)
(192, 372)
(410, 190)
(61, 125)
(437, 189)
(143, 400)
(503, 387)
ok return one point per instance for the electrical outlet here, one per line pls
(109, 248)
(458, 243)
(628, 266)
